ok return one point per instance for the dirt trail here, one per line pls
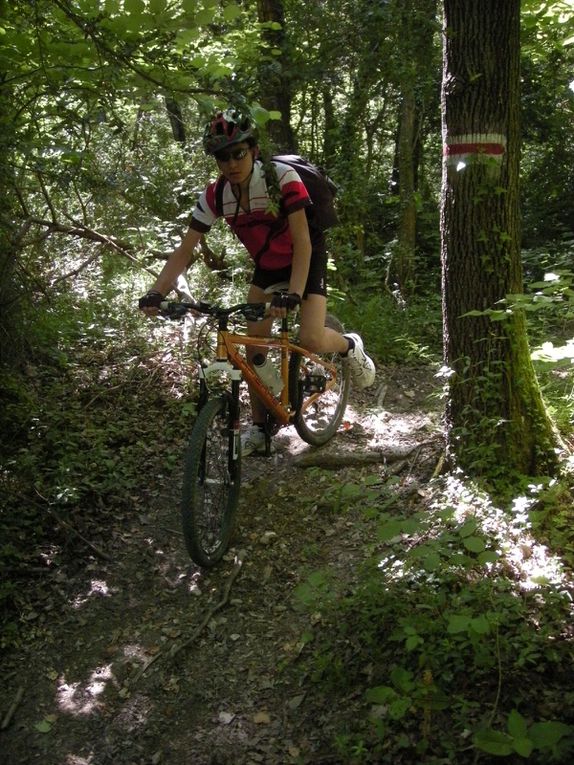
(226, 684)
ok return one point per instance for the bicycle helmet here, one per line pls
(227, 128)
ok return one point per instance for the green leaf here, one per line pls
(204, 17)
(431, 561)
(134, 7)
(488, 556)
(44, 726)
(458, 623)
(523, 746)
(381, 694)
(412, 642)
(399, 708)
(389, 530)
(231, 12)
(517, 725)
(494, 742)
(474, 544)
(402, 679)
(480, 625)
(157, 6)
(546, 734)
(468, 528)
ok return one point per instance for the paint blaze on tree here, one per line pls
(495, 415)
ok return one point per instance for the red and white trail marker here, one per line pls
(459, 149)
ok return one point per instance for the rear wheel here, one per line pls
(317, 418)
(211, 483)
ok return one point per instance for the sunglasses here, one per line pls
(236, 154)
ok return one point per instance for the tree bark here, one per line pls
(495, 417)
(415, 41)
(275, 86)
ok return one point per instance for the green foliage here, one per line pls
(455, 626)
(90, 406)
(395, 333)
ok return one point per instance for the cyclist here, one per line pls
(283, 247)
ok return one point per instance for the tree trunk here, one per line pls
(495, 417)
(275, 86)
(404, 255)
(415, 42)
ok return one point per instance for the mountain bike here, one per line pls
(313, 398)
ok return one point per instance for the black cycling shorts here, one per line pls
(316, 281)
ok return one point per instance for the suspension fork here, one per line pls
(234, 431)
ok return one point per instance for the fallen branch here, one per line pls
(13, 707)
(336, 460)
(75, 532)
(174, 650)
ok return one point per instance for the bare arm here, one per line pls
(177, 262)
(301, 251)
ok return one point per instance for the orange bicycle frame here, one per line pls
(228, 344)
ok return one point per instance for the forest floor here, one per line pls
(135, 656)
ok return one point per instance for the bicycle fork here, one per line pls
(232, 413)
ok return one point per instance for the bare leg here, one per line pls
(313, 333)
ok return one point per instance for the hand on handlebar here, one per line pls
(283, 303)
(150, 303)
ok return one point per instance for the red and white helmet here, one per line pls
(227, 128)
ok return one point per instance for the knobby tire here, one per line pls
(211, 484)
(318, 423)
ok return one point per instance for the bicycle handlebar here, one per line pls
(177, 310)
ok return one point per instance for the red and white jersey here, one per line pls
(266, 237)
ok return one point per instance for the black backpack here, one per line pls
(321, 214)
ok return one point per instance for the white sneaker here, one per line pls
(362, 367)
(252, 440)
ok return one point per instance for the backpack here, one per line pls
(321, 214)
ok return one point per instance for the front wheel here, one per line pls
(211, 483)
(318, 411)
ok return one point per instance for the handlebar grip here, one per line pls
(173, 310)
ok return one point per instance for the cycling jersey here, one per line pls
(266, 237)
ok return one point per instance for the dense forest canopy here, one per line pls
(103, 107)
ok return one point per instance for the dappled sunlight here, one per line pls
(173, 573)
(98, 587)
(73, 759)
(531, 562)
(464, 533)
(81, 699)
(133, 651)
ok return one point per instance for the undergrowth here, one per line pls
(97, 398)
(454, 644)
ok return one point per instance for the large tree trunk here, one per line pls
(495, 416)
